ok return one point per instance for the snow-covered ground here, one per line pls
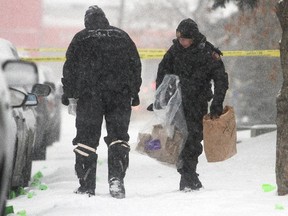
(232, 187)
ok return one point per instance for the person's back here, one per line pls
(103, 72)
(106, 58)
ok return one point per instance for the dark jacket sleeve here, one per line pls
(135, 68)
(70, 75)
(165, 67)
(220, 78)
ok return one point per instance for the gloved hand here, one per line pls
(64, 100)
(135, 101)
(150, 107)
(216, 110)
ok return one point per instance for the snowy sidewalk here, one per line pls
(232, 187)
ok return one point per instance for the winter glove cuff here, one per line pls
(150, 107)
(135, 101)
(64, 100)
(216, 110)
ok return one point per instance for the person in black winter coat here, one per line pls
(103, 73)
(197, 62)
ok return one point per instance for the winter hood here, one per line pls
(95, 18)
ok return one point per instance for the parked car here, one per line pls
(49, 115)
(26, 81)
(22, 163)
(17, 129)
(44, 136)
(8, 140)
(8, 50)
(22, 76)
(46, 77)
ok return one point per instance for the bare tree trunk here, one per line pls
(282, 105)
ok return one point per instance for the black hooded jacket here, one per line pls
(101, 58)
(196, 67)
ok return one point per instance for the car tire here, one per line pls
(26, 172)
(39, 153)
(2, 187)
(39, 150)
(5, 183)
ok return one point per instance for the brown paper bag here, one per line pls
(220, 136)
(173, 147)
(169, 147)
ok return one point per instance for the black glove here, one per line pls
(64, 100)
(216, 110)
(135, 101)
(150, 107)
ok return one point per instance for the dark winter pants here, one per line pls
(193, 148)
(116, 109)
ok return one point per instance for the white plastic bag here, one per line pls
(166, 133)
(168, 106)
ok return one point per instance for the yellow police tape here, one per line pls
(44, 59)
(267, 53)
(146, 54)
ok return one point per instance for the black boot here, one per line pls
(190, 182)
(83, 187)
(116, 188)
(85, 167)
(87, 186)
(118, 161)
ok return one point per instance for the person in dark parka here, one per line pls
(103, 72)
(197, 62)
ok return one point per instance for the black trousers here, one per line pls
(194, 111)
(115, 107)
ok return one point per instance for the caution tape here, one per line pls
(44, 59)
(42, 49)
(267, 53)
(149, 54)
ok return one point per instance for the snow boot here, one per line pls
(190, 182)
(85, 189)
(118, 161)
(82, 189)
(116, 188)
(85, 167)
